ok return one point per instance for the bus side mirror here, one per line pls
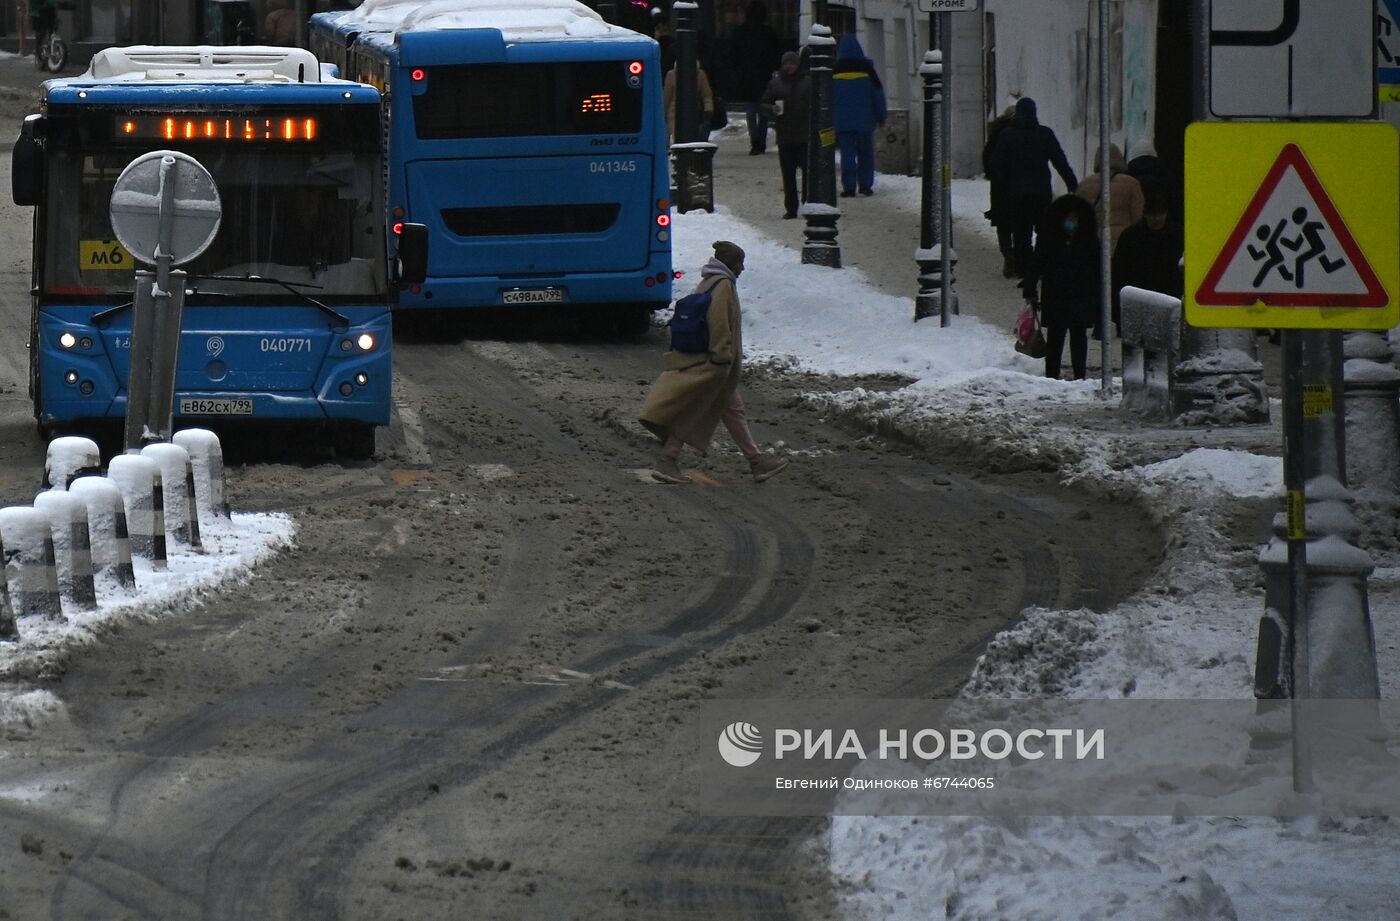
(27, 163)
(413, 254)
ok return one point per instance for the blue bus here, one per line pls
(287, 314)
(530, 138)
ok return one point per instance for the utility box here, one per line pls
(894, 152)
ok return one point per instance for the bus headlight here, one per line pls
(67, 340)
(70, 377)
(365, 342)
(362, 378)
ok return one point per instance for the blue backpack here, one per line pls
(690, 333)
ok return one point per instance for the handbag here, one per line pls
(1030, 341)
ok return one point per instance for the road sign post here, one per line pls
(165, 210)
(1296, 226)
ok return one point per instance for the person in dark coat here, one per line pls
(757, 53)
(857, 106)
(1021, 161)
(998, 215)
(1149, 253)
(788, 100)
(1063, 282)
(1151, 170)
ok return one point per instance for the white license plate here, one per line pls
(533, 296)
(193, 406)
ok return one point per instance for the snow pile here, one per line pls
(541, 19)
(1216, 471)
(232, 548)
(813, 319)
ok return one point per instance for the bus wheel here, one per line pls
(631, 321)
(354, 440)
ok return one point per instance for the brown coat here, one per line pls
(692, 393)
(1126, 202)
(668, 96)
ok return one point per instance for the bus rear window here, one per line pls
(523, 100)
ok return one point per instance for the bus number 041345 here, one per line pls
(612, 166)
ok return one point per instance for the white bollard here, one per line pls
(139, 480)
(207, 458)
(68, 457)
(29, 563)
(68, 520)
(111, 545)
(177, 475)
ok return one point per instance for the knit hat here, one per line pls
(731, 255)
(791, 57)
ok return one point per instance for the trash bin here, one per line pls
(693, 171)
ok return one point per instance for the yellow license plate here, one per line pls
(103, 256)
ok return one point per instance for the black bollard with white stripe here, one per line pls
(111, 545)
(207, 459)
(139, 480)
(68, 457)
(9, 632)
(29, 563)
(68, 521)
(177, 477)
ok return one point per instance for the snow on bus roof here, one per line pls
(516, 19)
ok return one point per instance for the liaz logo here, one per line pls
(740, 744)
(215, 345)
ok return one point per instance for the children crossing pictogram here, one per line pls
(1292, 248)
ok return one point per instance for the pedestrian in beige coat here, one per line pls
(1126, 200)
(697, 391)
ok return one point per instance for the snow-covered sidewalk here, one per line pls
(1190, 633)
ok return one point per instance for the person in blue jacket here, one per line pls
(858, 105)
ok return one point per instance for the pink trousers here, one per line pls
(735, 420)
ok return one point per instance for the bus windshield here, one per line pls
(523, 100)
(307, 217)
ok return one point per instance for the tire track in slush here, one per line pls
(389, 783)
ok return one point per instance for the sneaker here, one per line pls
(668, 471)
(767, 466)
(1008, 267)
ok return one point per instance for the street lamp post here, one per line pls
(687, 117)
(930, 255)
(820, 211)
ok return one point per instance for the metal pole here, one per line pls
(947, 299)
(138, 377)
(1296, 657)
(820, 210)
(927, 257)
(687, 79)
(1105, 196)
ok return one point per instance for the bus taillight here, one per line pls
(398, 228)
(634, 68)
(419, 75)
(663, 220)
